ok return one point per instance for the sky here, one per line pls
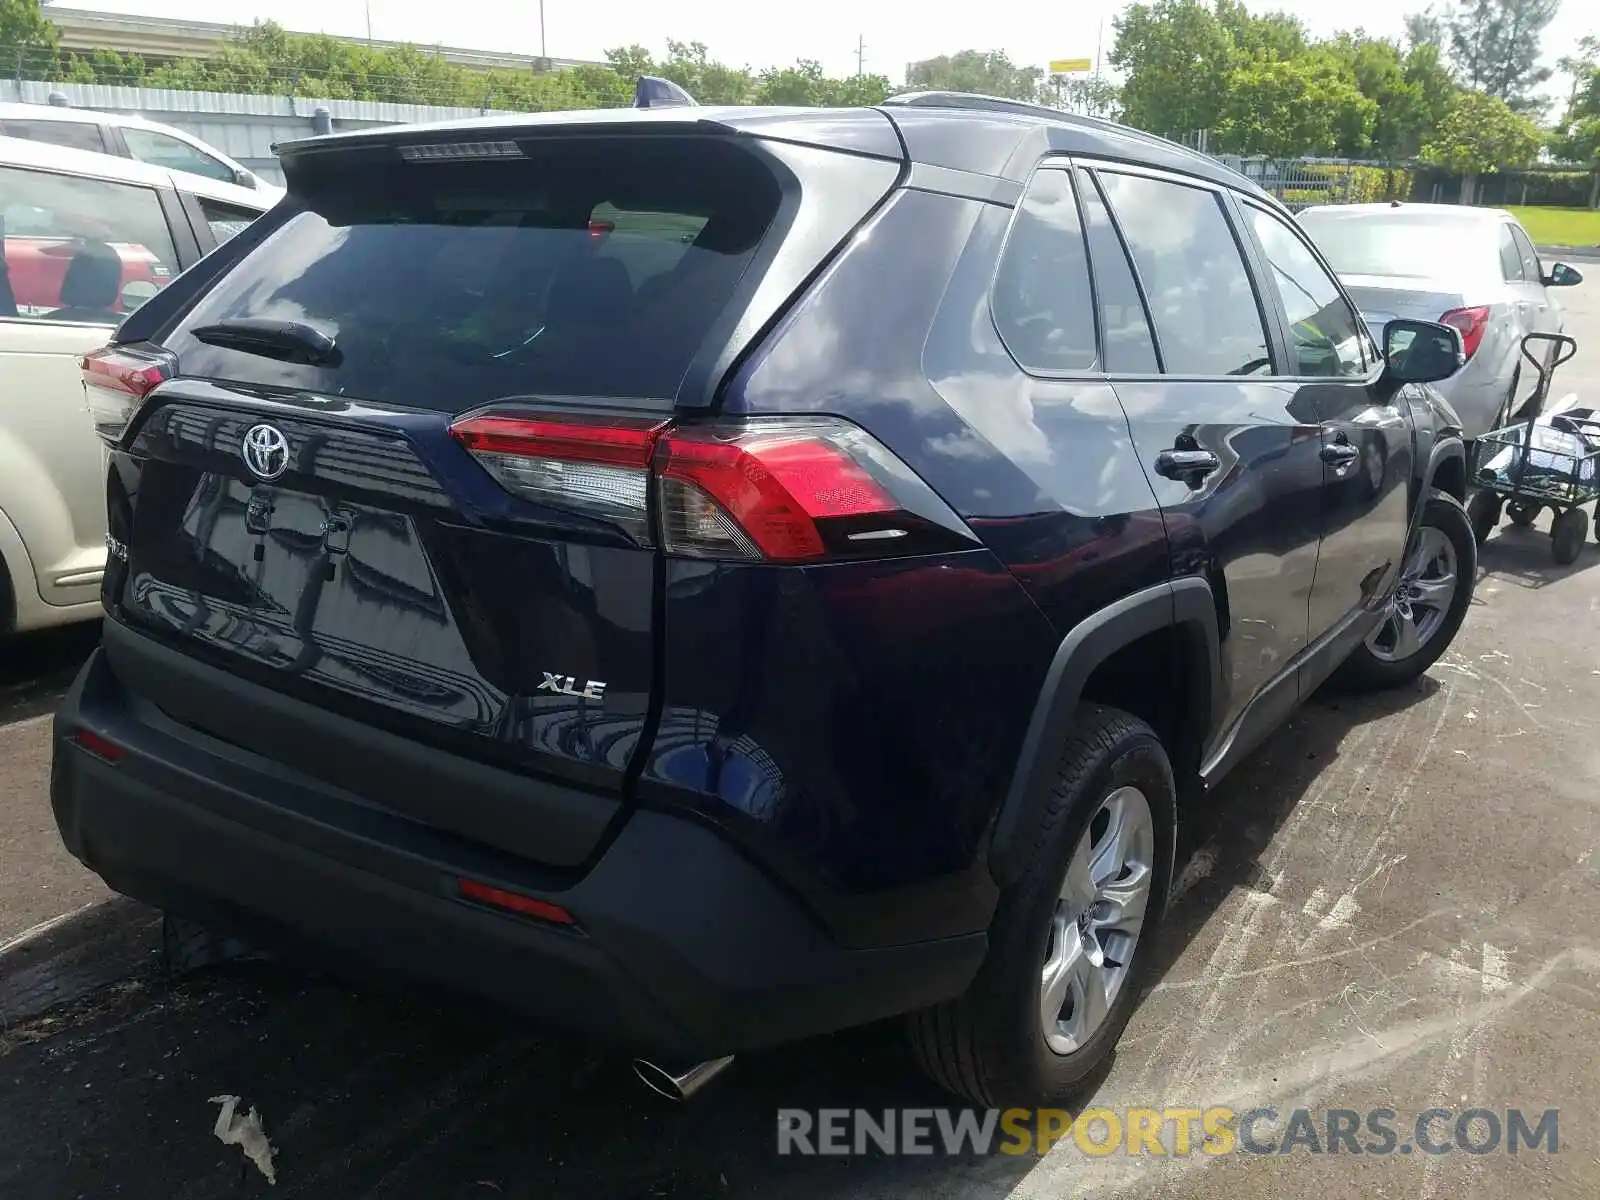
(738, 32)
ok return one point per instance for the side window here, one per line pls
(649, 245)
(79, 135)
(225, 220)
(162, 150)
(1042, 303)
(1510, 256)
(1124, 324)
(1532, 268)
(1325, 335)
(81, 250)
(1204, 308)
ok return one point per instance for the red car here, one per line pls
(74, 276)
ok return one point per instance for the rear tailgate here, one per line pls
(357, 528)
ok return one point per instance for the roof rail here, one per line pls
(979, 103)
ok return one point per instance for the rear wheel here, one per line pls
(1068, 945)
(1522, 515)
(1568, 532)
(1428, 605)
(1483, 513)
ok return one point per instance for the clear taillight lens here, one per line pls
(116, 380)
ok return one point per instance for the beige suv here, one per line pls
(88, 238)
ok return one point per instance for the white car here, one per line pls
(129, 137)
(88, 238)
(1473, 268)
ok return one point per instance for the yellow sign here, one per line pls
(1070, 66)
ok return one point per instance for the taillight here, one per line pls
(599, 466)
(777, 490)
(1471, 322)
(116, 380)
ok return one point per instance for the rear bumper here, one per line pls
(682, 947)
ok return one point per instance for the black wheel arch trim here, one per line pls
(1185, 605)
(1443, 450)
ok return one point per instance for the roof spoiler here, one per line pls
(654, 92)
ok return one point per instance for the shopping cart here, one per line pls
(1541, 462)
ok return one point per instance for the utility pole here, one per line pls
(543, 53)
(861, 55)
(369, 22)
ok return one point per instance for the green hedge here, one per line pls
(1363, 185)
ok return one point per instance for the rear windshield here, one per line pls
(1409, 246)
(592, 268)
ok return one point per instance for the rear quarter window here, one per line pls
(592, 268)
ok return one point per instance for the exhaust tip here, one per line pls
(679, 1084)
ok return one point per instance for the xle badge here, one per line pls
(567, 685)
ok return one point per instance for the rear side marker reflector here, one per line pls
(789, 490)
(97, 745)
(527, 906)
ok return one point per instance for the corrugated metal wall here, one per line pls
(245, 127)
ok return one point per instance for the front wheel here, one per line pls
(1428, 603)
(1568, 532)
(1069, 943)
(1483, 514)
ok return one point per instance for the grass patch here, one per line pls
(1560, 226)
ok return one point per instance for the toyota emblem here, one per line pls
(265, 451)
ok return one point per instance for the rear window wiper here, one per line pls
(286, 341)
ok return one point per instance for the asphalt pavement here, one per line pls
(1390, 907)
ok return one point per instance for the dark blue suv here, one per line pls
(718, 576)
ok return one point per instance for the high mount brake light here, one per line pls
(777, 490)
(116, 380)
(1472, 322)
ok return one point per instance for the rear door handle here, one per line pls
(1186, 464)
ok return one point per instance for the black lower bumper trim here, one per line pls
(686, 948)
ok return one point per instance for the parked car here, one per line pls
(87, 239)
(130, 137)
(1474, 268)
(713, 643)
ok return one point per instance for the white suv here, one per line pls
(129, 137)
(88, 238)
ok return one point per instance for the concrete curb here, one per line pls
(65, 959)
(1582, 253)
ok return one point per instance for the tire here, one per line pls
(1522, 515)
(1483, 514)
(1568, 532)
(991, 1045)
(1386, 658)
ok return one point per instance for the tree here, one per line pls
(1276, 35)
(1495, 47)
(1091, 95)
(1176, 56)
(1426, 28)
(28, 39)
(1577, 137)
(1410, 90)
(1482, 134)
(1309, 104)
(804, 84)
(987, 72)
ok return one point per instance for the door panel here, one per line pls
(1235, 470)
(1365, 428)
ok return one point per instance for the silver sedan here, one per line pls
(1474, 268)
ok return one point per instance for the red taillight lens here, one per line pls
(1471, 322)
(795, 490)
(116, 380)
(776, 487)
(527, 906)
(598, 466)
(782, 489)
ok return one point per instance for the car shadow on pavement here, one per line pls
(1522, 557)
(382, 1092)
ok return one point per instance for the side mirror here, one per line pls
(1562, 275)
(1421, 351)
(243, 178)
